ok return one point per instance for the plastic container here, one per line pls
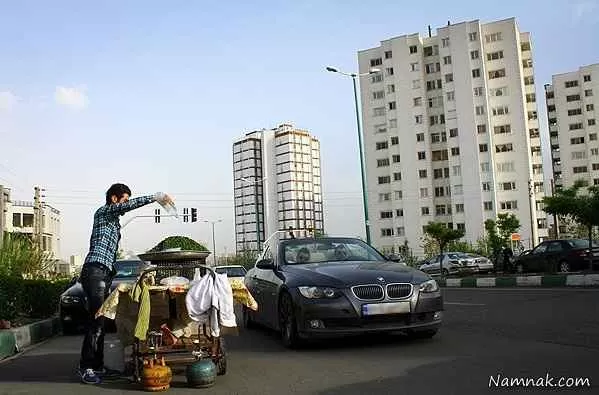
(114, 354)
(170, 208)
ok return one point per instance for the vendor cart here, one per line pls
(152, 320)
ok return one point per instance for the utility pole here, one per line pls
(213, 239)
(4, 199)
(37, 217)
(555, 224)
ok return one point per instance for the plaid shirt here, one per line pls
(106, 233)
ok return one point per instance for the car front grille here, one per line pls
(368, 292)
(399, 291)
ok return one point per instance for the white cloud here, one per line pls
(584, 10)
(74, 98)
(7, 101)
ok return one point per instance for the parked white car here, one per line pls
(484, 264)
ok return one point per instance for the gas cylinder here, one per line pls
(156, 375)
(201, 373)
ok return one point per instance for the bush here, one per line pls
(182, 242)
(29, 298)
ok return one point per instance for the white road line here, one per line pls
(516, 289)
(464, 304)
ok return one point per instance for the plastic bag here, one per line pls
(174, 281)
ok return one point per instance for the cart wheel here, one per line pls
(221, 363)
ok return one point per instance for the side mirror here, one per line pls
(265, 264)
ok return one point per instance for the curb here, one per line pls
(555, 280)
(15, 340)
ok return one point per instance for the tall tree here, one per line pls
(442, 235)
(580, 202)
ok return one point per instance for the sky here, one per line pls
(153, 94)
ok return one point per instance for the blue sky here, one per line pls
(153, 93)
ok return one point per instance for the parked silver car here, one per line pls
(453, 263)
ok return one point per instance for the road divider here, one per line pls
(550, 280)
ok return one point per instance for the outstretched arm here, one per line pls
(121, 208)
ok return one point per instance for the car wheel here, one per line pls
(287, 322)
(425, 334)
(248, 323)
(564, 267)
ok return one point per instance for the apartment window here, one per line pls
(382, 162)
(509, 205)
(595, 166)
(506, 167)
(550, 95)
(391, 88)
(386, 214)
(590, 107)
(378, 95)
(413, 49)
(457, 170)
(422, 155)
(387, 232)
(525, 46)
(594, 151)
(392, 105)
(486, 186)
(399, 212)
(420, 137)
(440, 209)
(483, 148)
(415, 66)
(394, 140)
(488, 206)
(437, 173)
(504, 147)
(593, 137)
(393, 123)
(435, 102)
(551, 108)
(461, 226)
(577, 155)
(474, 54)
(418, 119)
(448, 77)
(379, 111)
(459, 208)
(431, 68)
(384, 180)
(398, 195)
(396, 158)
(532, 115)
(446, 60)
(571, 84)
(424, 211)
(401, 231)
(445, 42)
(481, 129)
(577, 140)
(388, 54)
(480, 110)
(587, 78)
(455, 151)
(580, 169)
(453, 132)
(571, 98)
(433, 84)
(575, 111)
(534, 133)
(490, 38)
(382, 145)
(475, 73)
(450, 96)
(527, 63)
(389, 70)
(485, 167)
(498, 91)
(439, 192)
(531, 98)
(440, 155)
(501, 110)
(499, 73)
(507, 186)
(376, 62)
(431, 50)
(397, 176)
(417, 101)
(473, 36)
(502, 129)
(588, 92)
(458, 189)
(575, 126)
(495, 55)
(478, 91)
(383, 197)
(423, 192)
(591, 122)
(422, 173)
(376, 78)
(530, 80)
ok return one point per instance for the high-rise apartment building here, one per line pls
(451, 133)
(571, 102)
(277, 185)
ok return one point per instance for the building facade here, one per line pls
(20, 219)
(451, 133)
(277, 184)
(571, 102)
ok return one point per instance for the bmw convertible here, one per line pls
(309, 288)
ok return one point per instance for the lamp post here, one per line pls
(255, 184)
(360, 145)
(213, 238)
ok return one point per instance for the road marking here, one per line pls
(516, 289)
(464, 304)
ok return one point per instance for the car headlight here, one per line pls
(318, 292)
(70, 299)
(429, 286)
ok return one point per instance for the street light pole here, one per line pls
(360, 144)
(213, 239)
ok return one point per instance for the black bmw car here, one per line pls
(328, 287)
(72, 306)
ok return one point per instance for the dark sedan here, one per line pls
(566, 255)
(72, 307)
(328, 287)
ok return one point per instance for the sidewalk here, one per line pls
(544, 280)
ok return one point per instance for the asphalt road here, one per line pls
(488, 335)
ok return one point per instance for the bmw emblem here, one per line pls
(381, 280)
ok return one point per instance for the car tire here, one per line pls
(423, 334)
(287, 322)
(564, 267)
(248, 323)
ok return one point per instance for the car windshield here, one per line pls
(231, 271)
(581, 243)
(128, 268)
(301, 251)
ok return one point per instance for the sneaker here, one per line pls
(88, 376)
(105, 372)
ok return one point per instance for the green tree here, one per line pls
(442, 235)
(21, 257)
(506, 225)
(580, 202)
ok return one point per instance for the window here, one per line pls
(459, 208)
(475, 73)
(509, 205)
(502, 129)
(397, 176)
(437, 173)
(525, 46)
(421, 155)
(420, 137)
(590, 107)
(483, 148)
(440, 209)
(394, 140)
(413, 49)
(575, 126)
(376, 62)
(587, 78)
(417, 101)
(399, 212)
(527, 63)
(423, 192)
(424, 211)
(588, 92)
(383, 197)
(571, 84)
(504, 147)
(571, 98)
(435, 102)
(577, 155)
(385, 180)
(401, 231)
(382, 162)
(391, 88)
(485, 167)
(481, 129)
(575, 111)
(530, 80)
(439, 192)
(415, 66)
(580, 169)
(386, 214)
(448, 77)
(396, 158)
(461, 226)
(388, 54)
(495, 55)
(577, 140)
(382, 145)
(376, 78)
(428, 51)
(474, 54)
(422, 173)
(531, 98)
(453, 132)
(532, 115)
(458, 189)
(433, 84)
(591, 122)
(486, 186)
(506, 167)
(445, 42)
(389, 70)
(393, 123)
(439, 155)
(418, 119)
(450, 96)
(392, 105)
(534, 133)
(455, 151)
(499, 73)
(480, 110)
(379, 111)
(398, 195)
(488, 206)
(457, 170)
(490, 38)
(446, 60)
(501, 110)
(378, 95)
(473, 36)
(387, 232)
(478, 91)
(498, 91)
(507, 186)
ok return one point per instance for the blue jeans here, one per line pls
(95, 280)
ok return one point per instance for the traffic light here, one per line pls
(194, 215)
(185, 215)
(157, 215)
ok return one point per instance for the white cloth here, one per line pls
(211, 300)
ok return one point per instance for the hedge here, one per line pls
(29, 298)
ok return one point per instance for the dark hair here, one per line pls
(117, 190)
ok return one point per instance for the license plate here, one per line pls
(386, 308)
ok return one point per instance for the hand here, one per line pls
(163, 198)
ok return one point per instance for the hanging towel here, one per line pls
(141, 295)
(211, 300)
